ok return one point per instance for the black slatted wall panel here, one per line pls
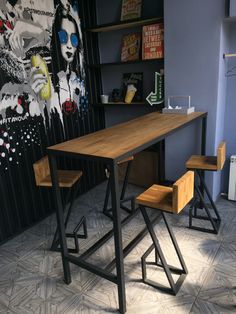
(45, 96)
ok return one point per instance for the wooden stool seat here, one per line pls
(210, 163)
(169, 199)
(200, 163)
(66, 178)
(165, 199)
(157, 196)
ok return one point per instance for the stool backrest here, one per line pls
(183, 190)
(221, 153)
(41, 169)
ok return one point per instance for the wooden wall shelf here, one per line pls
(230, 19)
(161, 60)
(123, 25)
(123, 104)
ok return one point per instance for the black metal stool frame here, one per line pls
(107, 211)
(215, 222)
(174, 287)
(55, 246)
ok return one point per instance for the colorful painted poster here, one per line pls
(153, 41)
(42, 76)
(130, 49)
(131, 9)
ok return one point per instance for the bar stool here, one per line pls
(107, 211)
(171, 200)
(199, 164)
(68, 179)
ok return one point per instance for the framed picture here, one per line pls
(131, 45)
(131, 9)
(153, 41)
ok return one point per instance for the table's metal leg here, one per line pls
(60, 219)
(203, 151)
(203, 139)
(161, 161)
(118, 236)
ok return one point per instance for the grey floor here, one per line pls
(31, 279)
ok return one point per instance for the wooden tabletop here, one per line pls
(119, 140)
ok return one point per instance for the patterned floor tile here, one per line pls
(22, 245)
(177, 305)
(4, 302)
(31, 276)
(219, 286)
(201, 306)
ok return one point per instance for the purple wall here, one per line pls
(192, 54)
(230, 108)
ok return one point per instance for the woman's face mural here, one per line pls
(68, 40)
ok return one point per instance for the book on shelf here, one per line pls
(134, 79)
(131, 45)
(131, 9)
(153, 41)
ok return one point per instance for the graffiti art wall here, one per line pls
(43, 99)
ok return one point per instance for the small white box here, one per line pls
(179, 111)
(185, 107)
(232, 8)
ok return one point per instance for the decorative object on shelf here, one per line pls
(130, 92)
(131, 9)
(229, 55)
(153, 41)
(177, 106)
(104, 99)
(135, 80)
(130, 49)
(157, 97)
(116, 95)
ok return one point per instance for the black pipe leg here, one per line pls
(55, 243)
(158, 248)
(125, 183)
(160, 256)
(122, 196)
(60, 219)
(108, 211)
(173, 239)
(209, 196)
(118, 237)
(108, 189)
(214, 223)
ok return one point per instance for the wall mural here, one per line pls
(41, 73)
(43, 99)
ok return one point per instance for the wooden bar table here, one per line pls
(110, 146)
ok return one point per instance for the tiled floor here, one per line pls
(31, 276)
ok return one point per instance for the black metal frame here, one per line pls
(174, 287)
(107, 211)
(120, 252)
(203, 153)
(55, 246)
(215, 221)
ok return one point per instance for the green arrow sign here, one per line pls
(158, 96)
